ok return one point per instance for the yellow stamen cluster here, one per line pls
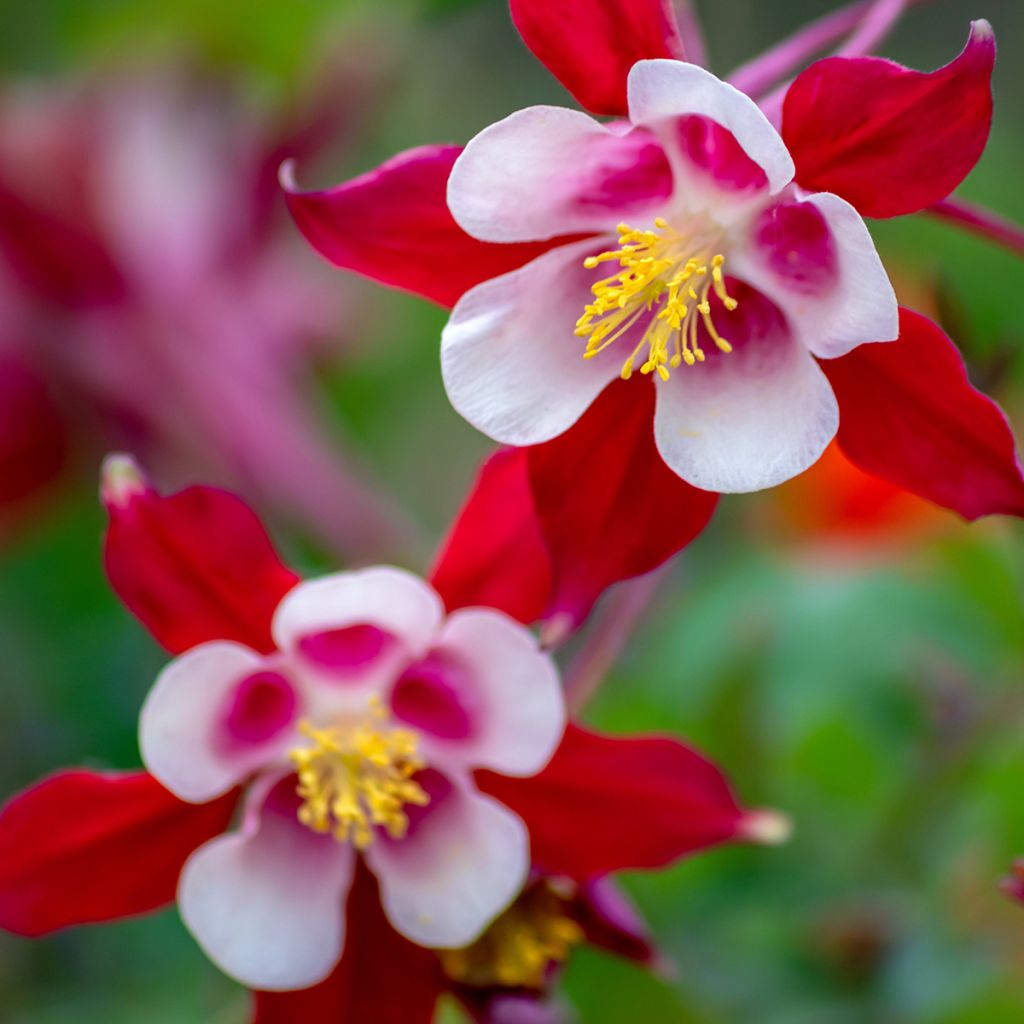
(656, 271)
(518, 947)
(357, 776)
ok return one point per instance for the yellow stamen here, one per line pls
(518, 947)
(358, 775)
(658, 270)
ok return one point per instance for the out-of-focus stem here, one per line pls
(693, 36)
(608, 637)
(981, 222)
(877, 24)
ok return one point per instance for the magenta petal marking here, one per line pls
(262, 705)
(347, 650)
(714, 150)
(798, 246)
(432, 696)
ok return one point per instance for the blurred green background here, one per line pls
(870, 688)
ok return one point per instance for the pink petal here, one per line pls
(362, 987)
(661, 91)
(509, 692)
(585, 485)
(816, 260)
(393, 226)
(909, 414)
(547, 171)
(193, 566)
(888, 139)
(267, 904)
(606, 804)
(751, 418)
(511, 363)
(495, 554)
(214, 715)
(463, 862)
(590, 45)
(82, 846)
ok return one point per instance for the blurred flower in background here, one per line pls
(153, 297)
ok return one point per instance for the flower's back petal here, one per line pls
(81, 847)
(888, 139)
(608, 804)
(393, 226)
(908, 413)
(590, 45)
(193, 566)
(382, 976)
(608, 506)
(495, 554)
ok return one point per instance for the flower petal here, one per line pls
(362, 987)
(460, 866)
(888, 139)
(548, 171)
(267, 904)
(511, 363)
(909, 414)
(585, 485)
(608, 804)
(816, 259)
(663, 90)
(495, 554)
(193, 566)
(508, 689)
(751, 418)
(214, 715)
(81, 847)
(393, 226)
(590, 45)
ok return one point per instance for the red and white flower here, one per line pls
(382, 707)
(722, 280)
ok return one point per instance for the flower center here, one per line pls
(356, 776)
(657, 269)
(518, 947)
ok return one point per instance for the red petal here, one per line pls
(891, 140)
(608, 506)
(590, 45)
(193, 566)
(393, 226)
(81, 847)
(383, 978)
(607, 804)
(908, 414)
(494, 554)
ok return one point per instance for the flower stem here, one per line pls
(981, 222)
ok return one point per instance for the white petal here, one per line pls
(510, 691)
(269, 908)
(186, 733)
(511, 362)
(548, 171)
(857, 307)
(662, 90)
(750, 419)
(462, 864)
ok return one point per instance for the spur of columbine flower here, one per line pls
(694, 242)
(358, 731)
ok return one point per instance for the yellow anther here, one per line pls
(656, 275)
(357, 776)
(518, 947)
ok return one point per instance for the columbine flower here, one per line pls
(362, 733)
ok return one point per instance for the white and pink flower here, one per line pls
(702, 265)
(357, 736)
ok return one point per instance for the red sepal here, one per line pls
(590, 45)
(494, 554)
(608, 506)
(193, 566)
(393, 225)
(888, 139)
(382, 978)
(608, 804)
(908, 413)
(81, 847)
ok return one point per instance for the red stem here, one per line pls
(981, 222)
